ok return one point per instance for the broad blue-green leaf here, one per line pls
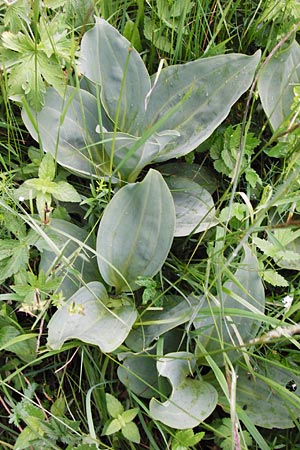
(152, 324)
(191, 400)
(139, 374)
(66, 128)
(85, 316)
(245, 293)
(202, 175)
(270, 397)
(212, 85)
(136, 232)
(74, 262)
(108, 58)
(194, 206)
(130, 154)
(276, 84)
(138, 371)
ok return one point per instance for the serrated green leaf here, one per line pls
(130, 414)
(58, 407)
(136, 232)
(131, 432)
(114, 407)
(16, 14)
(274, 278)
(47, 167)
(25, 438)
(285, 236)
(53, 38)
(19, 42)
(265, 246)
(51, 71)
(29, 62)
(186, 438)
(111, 427)
(7, 247)
(25, 79)
(16, 262)
(237, 210)
(65, 192)
(25, 192)
(252, 177)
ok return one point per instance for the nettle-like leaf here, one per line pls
(283, 245)
(44, 188)
(136, 232)
(225, 148)
(66, 128)
(276, 84)
(85, 316)
(244, 293)
(186, 438)
(114, 407)
(14, 251)
(191, 400)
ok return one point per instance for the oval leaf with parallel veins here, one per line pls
(194, 206)
(276, 84)
(136, 232)
(206, 88)
(66, 128)
(108, 58)
(191, 400)
(86, 316)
